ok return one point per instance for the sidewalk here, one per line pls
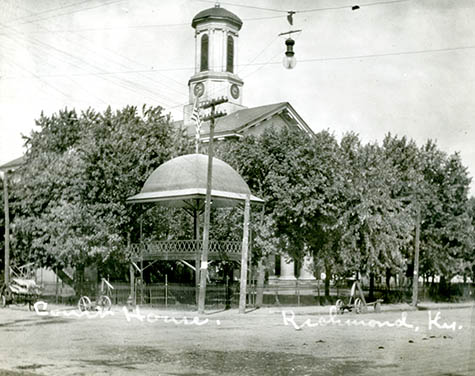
(324, 310)
(272, 310)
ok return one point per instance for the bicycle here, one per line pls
(103, 303)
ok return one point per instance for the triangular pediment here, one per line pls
(241, 122)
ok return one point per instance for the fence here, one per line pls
(169, 295)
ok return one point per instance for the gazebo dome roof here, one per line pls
(217, 14)
(182, 181)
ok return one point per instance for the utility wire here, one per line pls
(88, 43)
(48, 11)
(323, 59)
(138, 27)
(349, 6)
(108, 59)
(48, 48)
(305, 10)
(243, 6)
(69, 12)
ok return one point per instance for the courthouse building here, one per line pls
(216, 50)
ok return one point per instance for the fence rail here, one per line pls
(223, 295)
(185, 249)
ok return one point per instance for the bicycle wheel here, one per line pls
(104, 302)
(358, 305)
(84, 303)
(339, 307)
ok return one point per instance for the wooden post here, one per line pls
(204, 254)
(196, 223)
(244, 254)
(415, 280)
(56, 286)
(141, 261)
(166, 290)
(249, 268)
(131, 271)
(260, 282)
(261, 271)
(7, 227)
(132, 283)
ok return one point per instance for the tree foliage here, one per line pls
(70, 203)
(353, 206)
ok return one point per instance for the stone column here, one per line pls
(271, 269)
(306, 271)
(286, 269)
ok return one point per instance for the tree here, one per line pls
(375, 224)
(469, 259)
(70, 207)
(295, 175)
(447, 231)
(2, 230)
(437, 185)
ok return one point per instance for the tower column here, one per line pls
(197, 56)
(212, 48)
(270, 262)
(287, 269)
(225, 51)
(306, 270)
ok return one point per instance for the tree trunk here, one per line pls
(328, 272)
(371, 286)
(388, 279)
(79, 287)
(444, 288)
(261, 271)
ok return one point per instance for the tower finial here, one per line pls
(216, 5)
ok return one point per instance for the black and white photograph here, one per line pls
(237, 188)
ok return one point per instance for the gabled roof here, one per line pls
(13, 164)
(236, 123)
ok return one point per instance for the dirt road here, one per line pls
(268, 341)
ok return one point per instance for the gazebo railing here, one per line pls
(185, 250)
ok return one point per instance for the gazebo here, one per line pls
(181, 183)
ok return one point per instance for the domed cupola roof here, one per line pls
(217, 14)
(181, 181)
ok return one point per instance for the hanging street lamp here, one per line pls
(289, 61)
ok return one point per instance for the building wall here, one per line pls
(276, 122)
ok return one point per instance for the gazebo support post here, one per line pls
(196, 223)
(132, 284)
(7, 227)
(131, 273)
(244, 255)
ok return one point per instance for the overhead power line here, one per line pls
(306, 10)
(49, 11)
(401, 53)
(139, 27)
(322, 59)
(67, 13)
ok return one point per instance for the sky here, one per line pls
(399, 67)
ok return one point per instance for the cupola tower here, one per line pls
(216, 46)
